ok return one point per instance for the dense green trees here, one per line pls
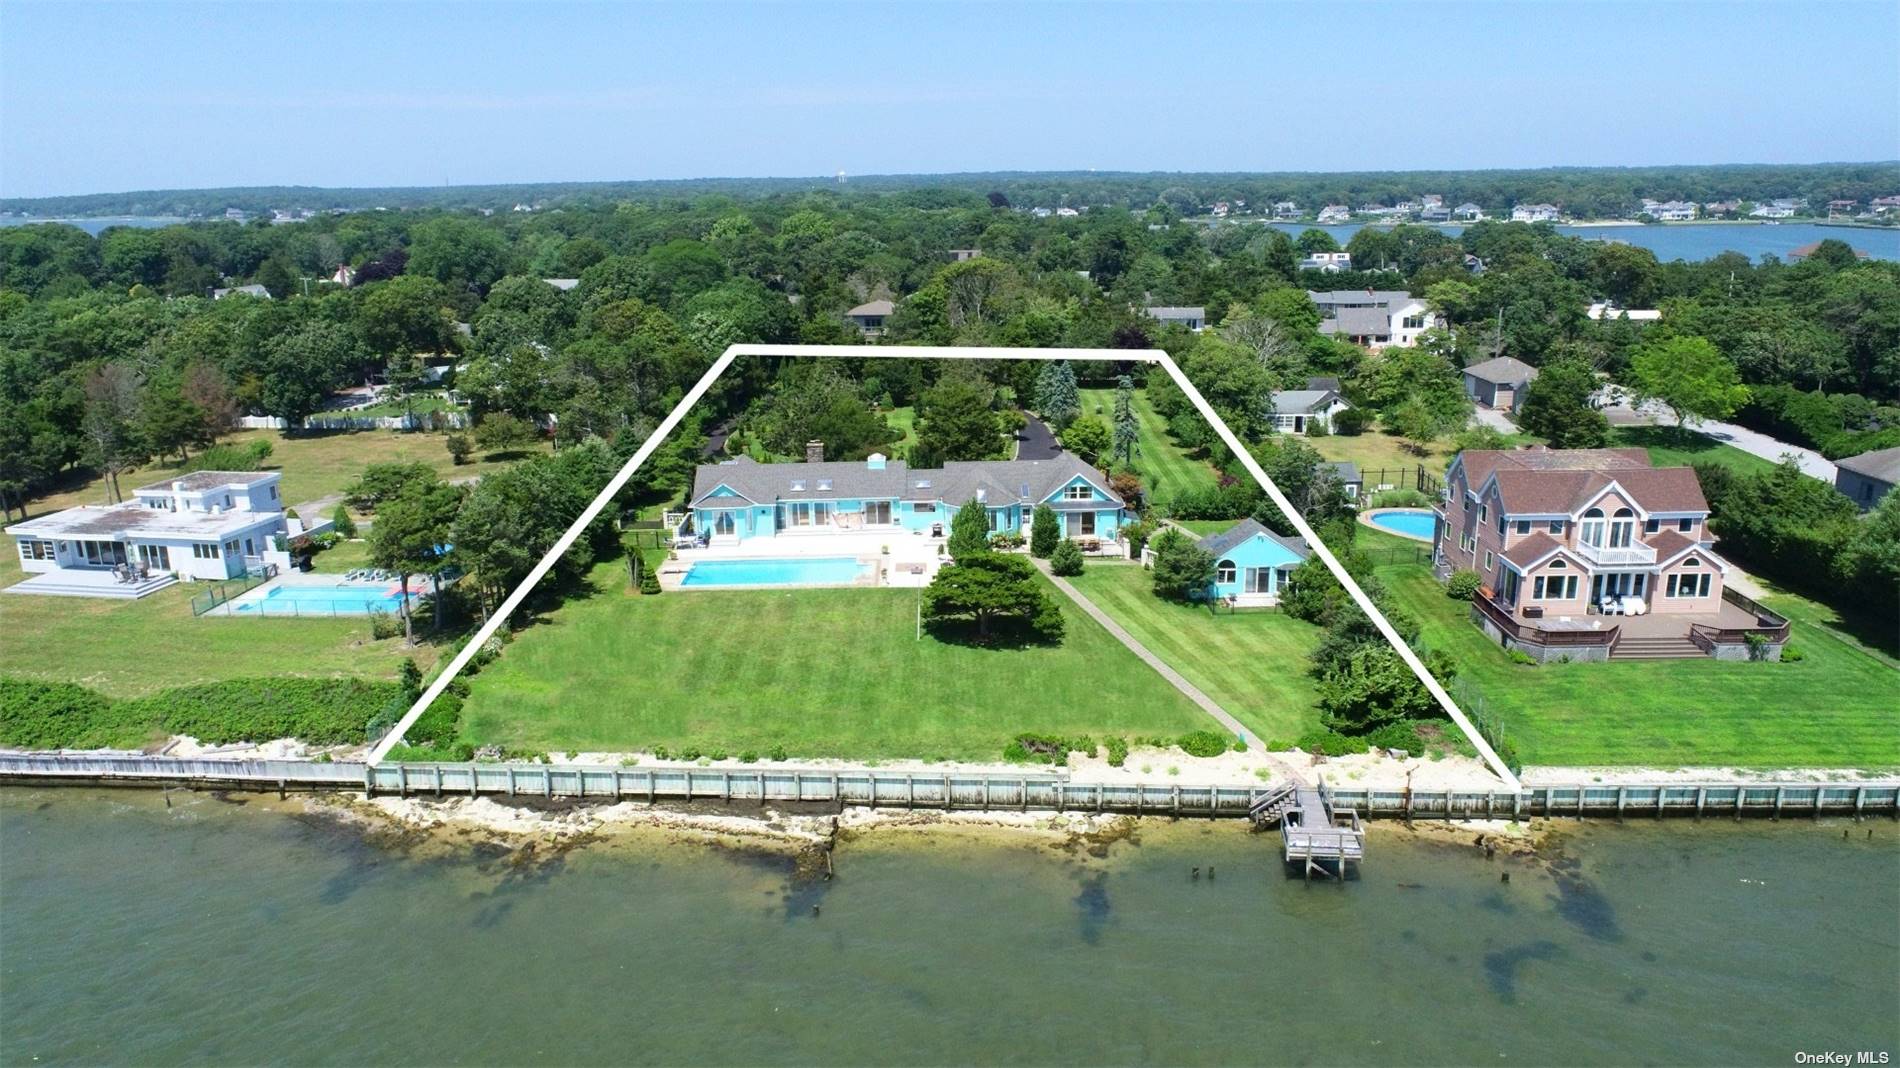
(992, 592)
(1182, 569)
(1690, 377)
(1557, 407)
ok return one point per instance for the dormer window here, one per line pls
(1077, 493)
(798, 483)
(824, 483)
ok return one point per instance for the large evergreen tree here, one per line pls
(969, 531)
(954, 422)
(1057, 399)
(1127, 428)
(1557, 406)
(989, 590)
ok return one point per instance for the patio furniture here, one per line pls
(1634, 606)
(1534, 611)
(1610, 606)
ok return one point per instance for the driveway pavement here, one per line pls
(1494, 419)
(1036, 441)
(1623, 411)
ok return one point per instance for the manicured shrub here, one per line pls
(1043, 532)
(1400, 735)
(345, 526)
(661, 752)
(649, 581)
(1352, 421)
(1330, 742)
(1463, 585)
(747, 756)
(1117, 750)
(691, 752)
(717, 754)
(1066, 560)
(1791, 655)
(777, 752)
(1203, 743)
(460, 447)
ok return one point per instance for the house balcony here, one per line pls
(1636, 555)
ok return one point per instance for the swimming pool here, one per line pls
(819, 571)
(320, 600)
(1419, 526)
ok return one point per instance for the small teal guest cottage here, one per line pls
(1252, 563)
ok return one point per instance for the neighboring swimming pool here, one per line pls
(1406, 523)
(819, 571)
(320, 600)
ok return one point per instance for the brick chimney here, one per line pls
(814, 452)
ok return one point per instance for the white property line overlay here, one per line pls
(1152, 356)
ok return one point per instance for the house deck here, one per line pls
(91, 582)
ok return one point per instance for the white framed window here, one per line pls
(1685, 525)
(1683, 586)
(1487, 559)
(924, 506)
(1224, 571)
(1523, 526)
(1078, 492)
(1557, 527)
(1554, 588)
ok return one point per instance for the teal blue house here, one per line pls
(1252, 563)
(743, 500)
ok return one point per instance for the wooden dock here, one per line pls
(1312, 834)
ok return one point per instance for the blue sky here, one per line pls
(97, 98)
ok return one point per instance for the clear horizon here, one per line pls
(493, 94)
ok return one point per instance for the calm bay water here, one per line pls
(254, 933)
(1698, 242)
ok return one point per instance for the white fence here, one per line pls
(345, 421)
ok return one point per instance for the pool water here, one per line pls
(338, 600)
(1420, 525)
(821, 571)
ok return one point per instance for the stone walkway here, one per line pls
(1174, 678)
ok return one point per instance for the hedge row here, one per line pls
(46, 715)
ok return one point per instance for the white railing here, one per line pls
(1621, 556)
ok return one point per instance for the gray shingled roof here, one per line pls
(1220, 544)
(1882, 464)
(1347, 471)
(872, 307)
(1167, 313)
(1335, 298)
(1301, 401)
(1358, 322)
(1504, 370)
(991, 481)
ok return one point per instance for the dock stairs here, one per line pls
(1311, 833)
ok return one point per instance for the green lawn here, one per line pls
(1375, 450)
(341, 558)
(1675, 447)
(1252, 663)
(825, 673)
(131, 648)
(1838, 707)
(1203, 527)
(315, 465)
(902, 419)
(1165, 467)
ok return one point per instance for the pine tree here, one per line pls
(969, 531)
(1056, 397)
(1043, 533)
(1067, 559)
(1127, 428)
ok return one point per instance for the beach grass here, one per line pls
(1165, 467)
(838, 673)
(132, 648)
(1253, 663)
(1838, 706)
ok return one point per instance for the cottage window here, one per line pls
(1652, 526)
(1224, 571)
(1487, 559)
(1557, 527)
(1554, 588)
(1523, 526)
(1557, 565)
(1077, 493)
(1688, 585)
(1685, 525)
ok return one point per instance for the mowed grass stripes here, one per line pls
(1254, 663)
(825, 673)
(1165, 467)
(1838, 707)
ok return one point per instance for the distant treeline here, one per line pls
(1585, 192)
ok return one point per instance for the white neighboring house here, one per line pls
(1605, 310)
(1375, 318)
(202, 525)
(1286, 209)
(253, 290)
(1297, 411)
(1194, 319)
(1334, 213)
(1468, 211)
(1532, 213)
(1669, 210)
(1329, 262)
